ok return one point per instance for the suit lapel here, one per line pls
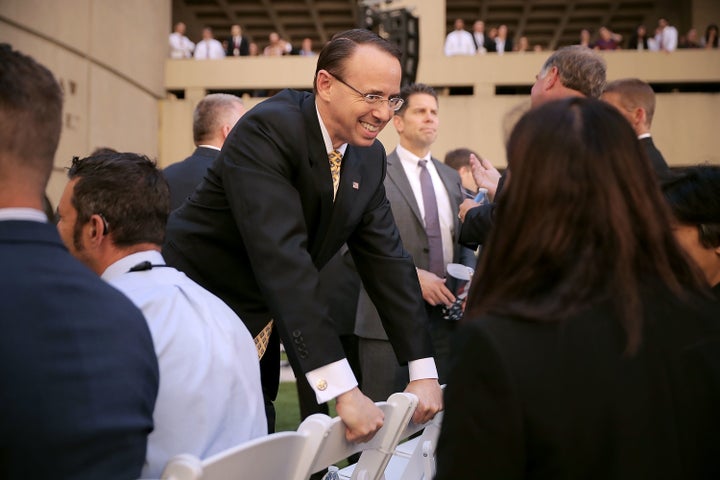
(319, 164)
(396, 174)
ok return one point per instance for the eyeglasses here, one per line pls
(395, 103)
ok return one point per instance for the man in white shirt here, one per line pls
(478, 34)
(459, 41)
(666, 38)
(424, 196)
(180, 45)
(208, 47)
(112, 217)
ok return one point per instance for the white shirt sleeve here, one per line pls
(336, 378)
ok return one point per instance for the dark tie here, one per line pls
(432, 221)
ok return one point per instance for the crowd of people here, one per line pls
(463, 42)
(148, 321)
(236, 44)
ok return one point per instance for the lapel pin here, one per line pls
(356, 185)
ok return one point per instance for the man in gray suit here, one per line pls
(424, 195)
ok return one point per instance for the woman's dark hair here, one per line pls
(581, 221)
(694, 198)
(714, 41)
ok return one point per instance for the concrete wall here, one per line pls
(109, 57)
(685, 125)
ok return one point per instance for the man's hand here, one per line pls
(362, 418)
(484, 174)
(430, 399)
(433, 288)
(466, 205)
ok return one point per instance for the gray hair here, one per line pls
(579, 68)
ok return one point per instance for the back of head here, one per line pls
(210, 114)
(341, 47)
(128, 190)
(694, 199)
(580, 220)
(579, 68)
(634, 93)
(458, 158)
(30, 119)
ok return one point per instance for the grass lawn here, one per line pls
(287, 410)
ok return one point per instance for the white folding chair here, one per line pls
(413, 459)
(376, 453)
(281, 455)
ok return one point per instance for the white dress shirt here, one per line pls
(459, 42)
(180, 46)
(667, 39)
(209, 49)
(210, 397)
(26, 214)
(338, 377)
(480, 41)
(412, 169)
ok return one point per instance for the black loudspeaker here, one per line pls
(402, 28)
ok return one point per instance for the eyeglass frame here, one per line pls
(372, 98)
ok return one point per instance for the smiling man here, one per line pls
(299, 175)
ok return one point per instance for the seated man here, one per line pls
(112, 217)
(78, 373)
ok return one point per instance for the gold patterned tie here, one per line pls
(263, 338)
(335, 158)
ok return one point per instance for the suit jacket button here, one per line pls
(321, 385)
(296, 333)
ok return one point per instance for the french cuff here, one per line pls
(422, 368)
(332, 380)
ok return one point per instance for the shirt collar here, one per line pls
(643, 135)
(326, 137)
(209, 146)
(126, 263)
(30, 214)
(406, 156)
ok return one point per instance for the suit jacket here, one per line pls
(183, 177)
(478, 221)
(244, 49)
(78, 372)
(552, 400)
(412, 231)
(491, 45)
(263, 222)
(656, 159)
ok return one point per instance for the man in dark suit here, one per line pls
(574, 71)
(635, 99)
(299, 175)
(78, 373)
(414, 202)
(213, 118)
(237, 43)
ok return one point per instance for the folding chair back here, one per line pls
(282, 455)
(376, 453)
